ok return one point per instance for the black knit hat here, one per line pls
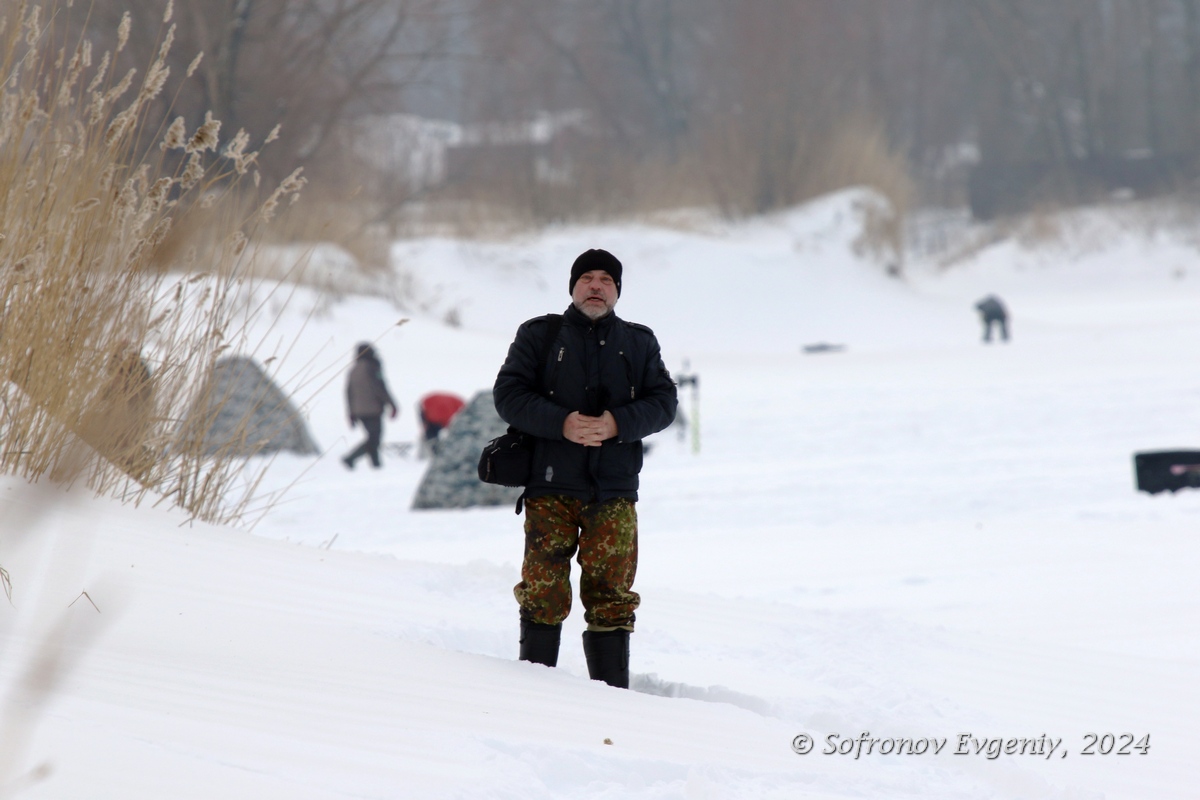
(596, 259)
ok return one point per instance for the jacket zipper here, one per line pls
(629, 376)
(552, 375)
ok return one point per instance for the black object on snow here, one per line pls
(1167, 470)
(822, 347)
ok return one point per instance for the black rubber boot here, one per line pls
(539, 642)
(607, 654)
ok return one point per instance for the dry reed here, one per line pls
(118, 264)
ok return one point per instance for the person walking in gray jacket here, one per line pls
(367, 397)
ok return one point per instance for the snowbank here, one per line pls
(918, 538)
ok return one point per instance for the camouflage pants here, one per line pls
(605, 535)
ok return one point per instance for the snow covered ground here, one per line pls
(918, 538)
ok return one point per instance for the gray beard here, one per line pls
(594, 313)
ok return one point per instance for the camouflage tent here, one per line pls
(452, 479)
(240, 411)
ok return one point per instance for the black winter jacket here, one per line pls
(609, 365)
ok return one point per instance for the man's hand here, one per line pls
(589, 431)
(395, 411)
(608, 426)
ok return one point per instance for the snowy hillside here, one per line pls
(919, 538)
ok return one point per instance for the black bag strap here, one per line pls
(556, 323)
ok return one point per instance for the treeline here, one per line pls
(748, 106)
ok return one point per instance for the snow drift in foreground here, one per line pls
(923, 553)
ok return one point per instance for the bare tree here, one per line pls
(745, 98)
(306, 66)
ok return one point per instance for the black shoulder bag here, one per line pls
(508, 460)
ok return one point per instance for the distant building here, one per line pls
(428, 154)
(404, 147)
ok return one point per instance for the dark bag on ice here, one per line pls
(507, 460)
(1167, 470)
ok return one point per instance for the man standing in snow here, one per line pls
(588, 386)
(367, 397)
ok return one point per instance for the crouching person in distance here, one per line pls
(588, 396)
(993, 312)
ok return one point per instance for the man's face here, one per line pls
(595, 294)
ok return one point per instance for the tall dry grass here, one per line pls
(761, 165)
(117, 267)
